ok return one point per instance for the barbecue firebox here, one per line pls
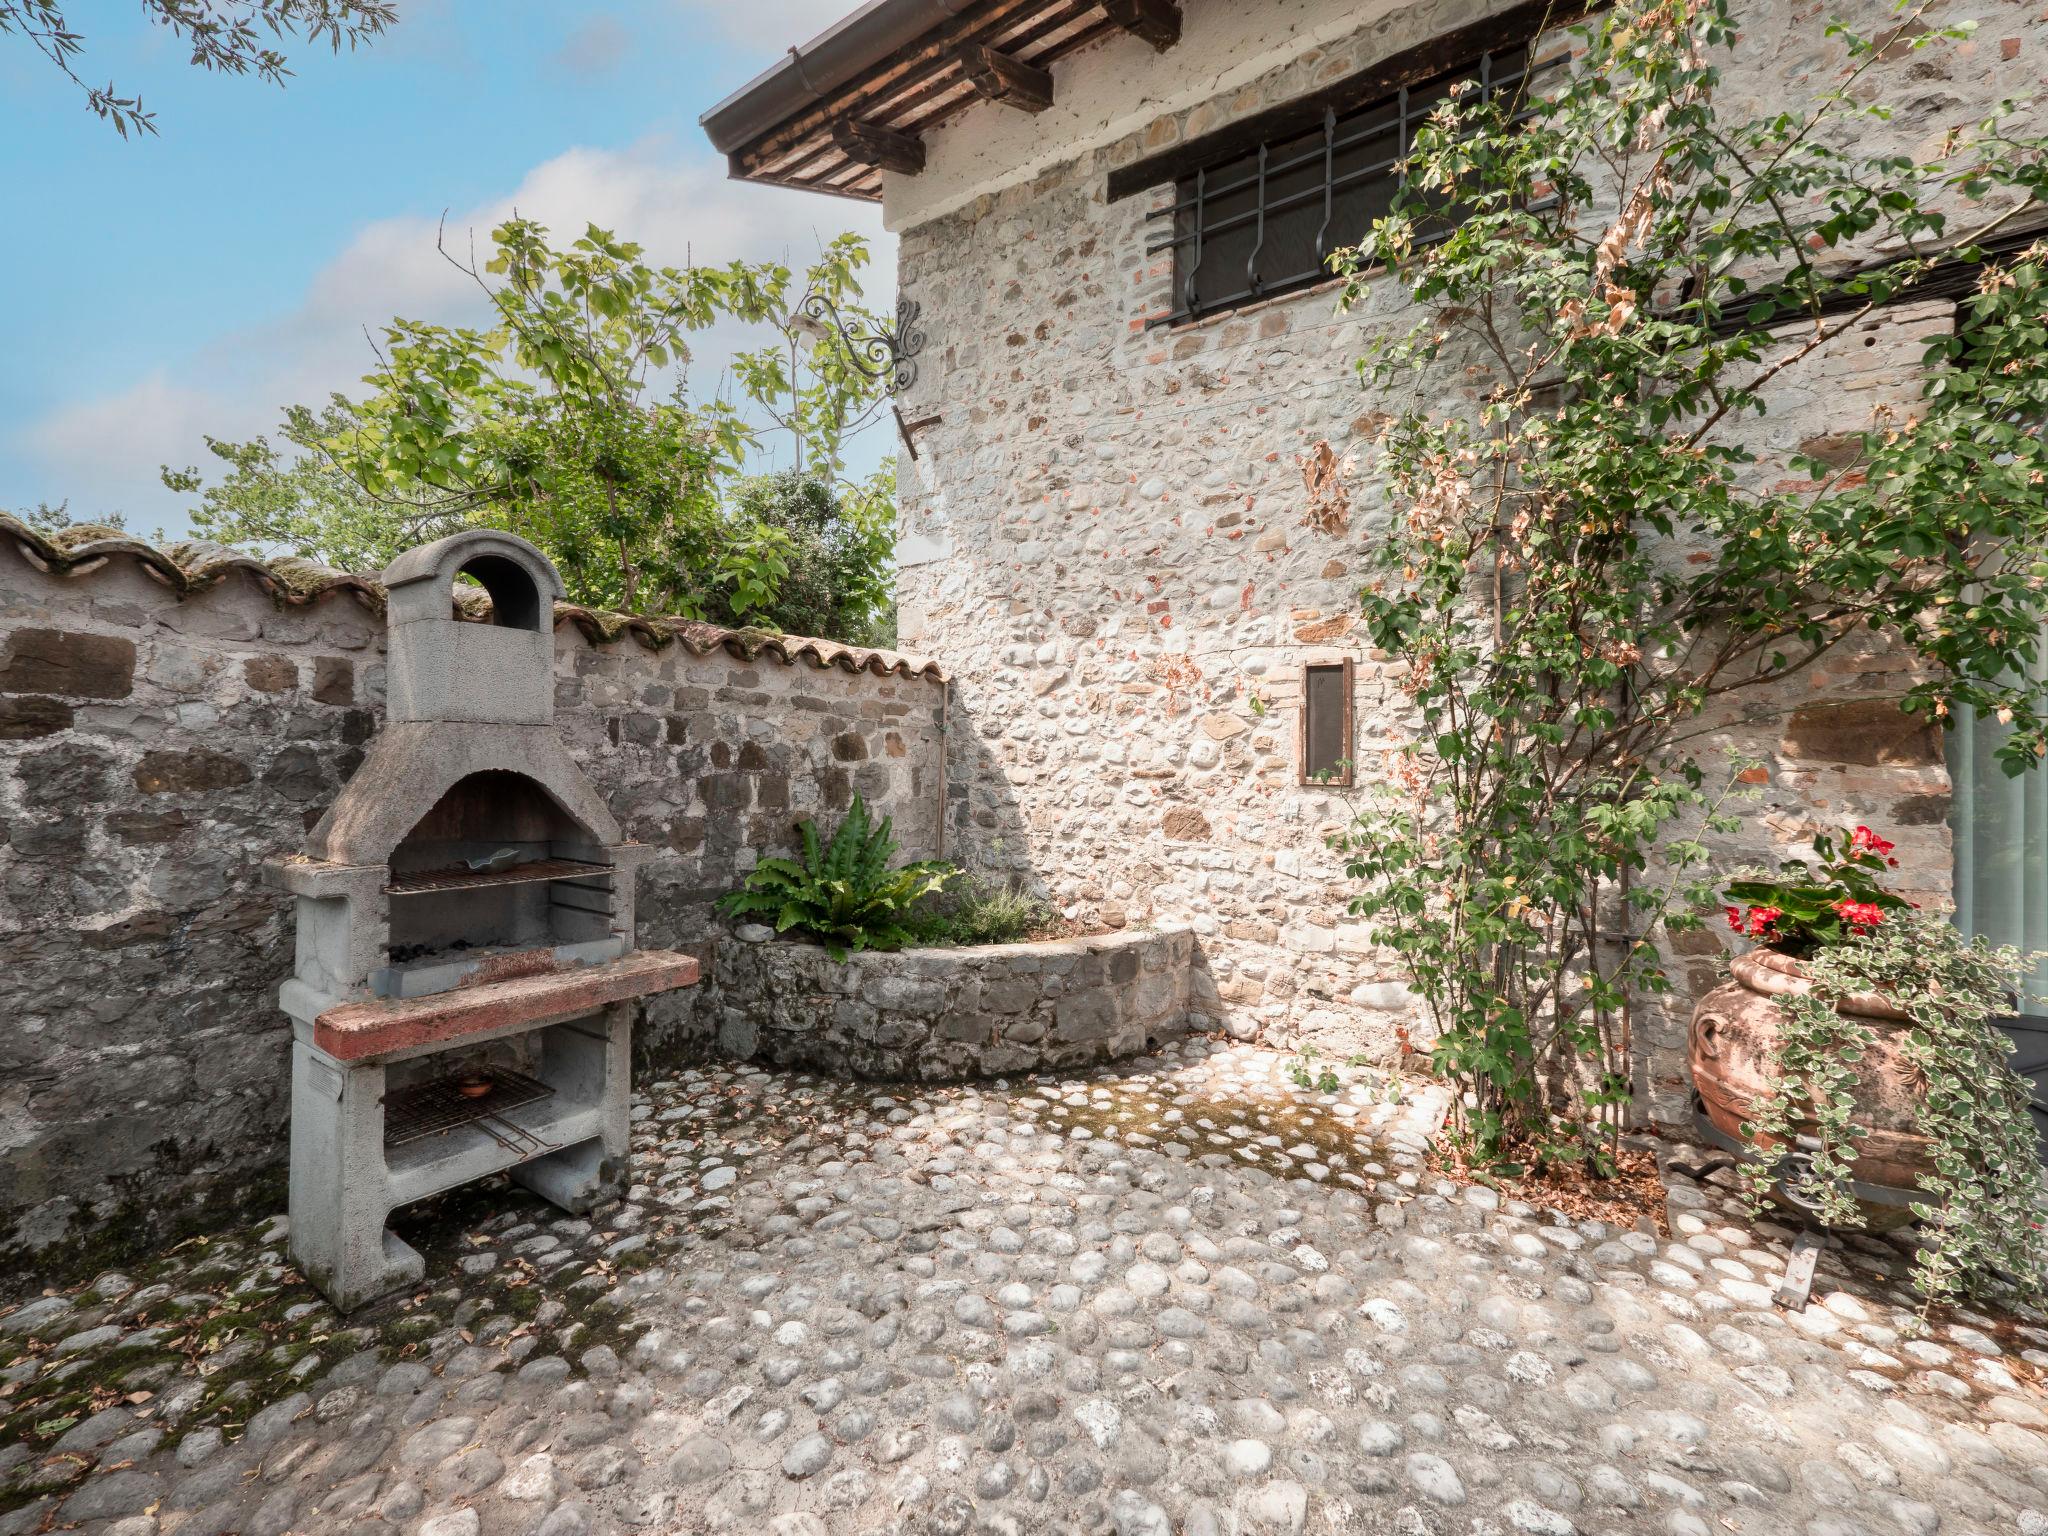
(462, 1002)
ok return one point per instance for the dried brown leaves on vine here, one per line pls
(1329, 496)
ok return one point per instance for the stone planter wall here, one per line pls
(938, 1015)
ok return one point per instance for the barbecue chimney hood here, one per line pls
(461, 1002)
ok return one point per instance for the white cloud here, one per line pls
(107, 443)
(681, 207)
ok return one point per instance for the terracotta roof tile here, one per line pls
(192, 567)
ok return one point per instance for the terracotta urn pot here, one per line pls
(1735, 1029)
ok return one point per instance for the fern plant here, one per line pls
(843, 893)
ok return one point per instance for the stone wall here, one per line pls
(940, 1015)
(157, 744)
(1105, 534)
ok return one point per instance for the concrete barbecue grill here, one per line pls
(463, 996)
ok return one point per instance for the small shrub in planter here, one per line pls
(1869, 1030)
(842, 893)
(982, 912)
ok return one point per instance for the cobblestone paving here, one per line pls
(1191, 1296)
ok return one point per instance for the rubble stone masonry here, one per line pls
(1105, 532)
(941, 1015)
(156, 747)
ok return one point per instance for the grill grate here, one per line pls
(439, 1104)
(428, 881)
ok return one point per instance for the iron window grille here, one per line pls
(1265, 222)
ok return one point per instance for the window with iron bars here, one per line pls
(1265, 222)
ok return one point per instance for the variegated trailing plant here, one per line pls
(842, 893)
(1581, 565)
(1981, 1207)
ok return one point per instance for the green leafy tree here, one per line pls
(294, 499)
(569, 422)
(230, 37)
(816, 381)
(836, 544)
(1586, 568)
(559, 423)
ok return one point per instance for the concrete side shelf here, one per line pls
(392, 1028)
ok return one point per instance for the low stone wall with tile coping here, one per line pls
(940, 1015)
(169, 719)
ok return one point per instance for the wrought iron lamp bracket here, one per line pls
(878, 349)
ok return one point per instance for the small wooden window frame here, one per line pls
(1344, 778)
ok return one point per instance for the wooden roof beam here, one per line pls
(1002, 77)
(883, 148)
(1156, 21)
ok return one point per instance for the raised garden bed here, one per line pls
(943, 1014)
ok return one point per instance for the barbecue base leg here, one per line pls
(338, 1201)
(589, 1059)
(575, 1178)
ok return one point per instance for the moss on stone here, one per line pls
(136, 1232)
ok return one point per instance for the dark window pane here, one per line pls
(1294, 202)
(1369, 145)
(1326, 750)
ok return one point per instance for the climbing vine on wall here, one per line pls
(1587, 567)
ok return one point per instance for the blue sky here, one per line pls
(199, 280)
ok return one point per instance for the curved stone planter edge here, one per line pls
(943, 1015)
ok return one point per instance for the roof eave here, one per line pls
(827, 61)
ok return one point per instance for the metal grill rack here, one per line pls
(432, 881)
(439, 1104)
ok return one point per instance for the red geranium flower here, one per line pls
(1760, 920)
(1861, 916)
(1734, 918)
(1863, 840)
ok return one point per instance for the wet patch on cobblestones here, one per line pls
(1249, 1111)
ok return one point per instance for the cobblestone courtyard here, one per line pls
(1192, 1295)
